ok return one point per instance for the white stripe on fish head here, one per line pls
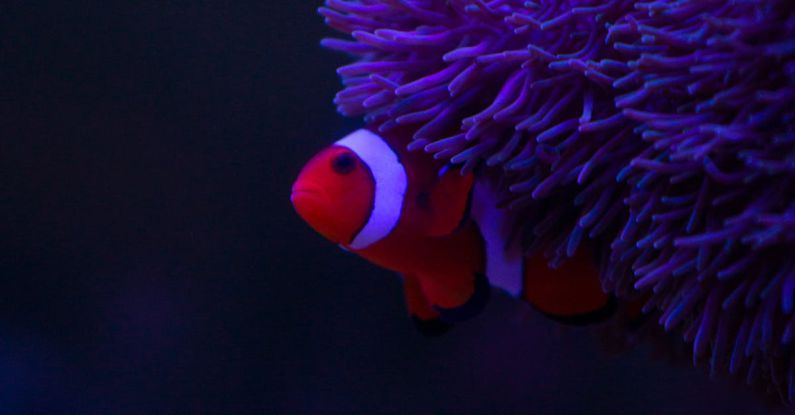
(390, 180)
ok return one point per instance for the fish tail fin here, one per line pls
(572, 293)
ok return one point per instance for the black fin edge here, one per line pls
(472, 307)
(593, 317)
(431, 328)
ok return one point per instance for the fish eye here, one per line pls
(343, 163)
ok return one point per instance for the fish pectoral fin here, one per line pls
(425, 317)
(460, 301)
(571, 294)
(449, 200)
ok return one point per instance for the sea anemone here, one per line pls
(661, 130)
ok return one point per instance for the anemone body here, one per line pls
(662, 130)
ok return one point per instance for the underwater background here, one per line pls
(151, 263)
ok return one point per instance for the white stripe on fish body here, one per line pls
(390, 180)
(503, 263)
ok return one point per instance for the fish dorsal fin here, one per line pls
(449, 201)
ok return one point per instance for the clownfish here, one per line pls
(441, 230)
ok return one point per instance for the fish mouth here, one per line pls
(303, 197)
(310, 204)
(302, 192)
(314, 205)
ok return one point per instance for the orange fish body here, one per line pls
(442, 232)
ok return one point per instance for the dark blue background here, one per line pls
(150, 261)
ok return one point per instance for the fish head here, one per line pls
(334, 193)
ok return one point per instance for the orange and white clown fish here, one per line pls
(441, 230)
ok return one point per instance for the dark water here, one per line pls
(151, 262)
